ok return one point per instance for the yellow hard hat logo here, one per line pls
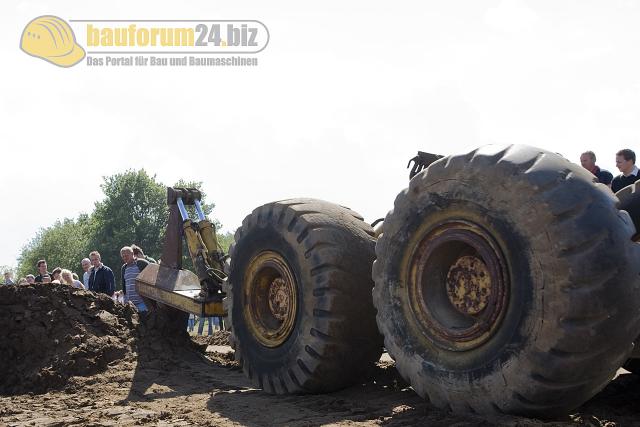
(52, 39)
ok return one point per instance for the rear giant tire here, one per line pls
(629, 201)
(299, 297)
(506, 281)
(633, 366)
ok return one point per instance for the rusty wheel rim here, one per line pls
(458, 285)
(270, 298)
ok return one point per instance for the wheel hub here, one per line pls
(469, 285)
(458, 285)
(270, 298)
(279, 298)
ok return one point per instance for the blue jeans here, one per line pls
(200, 325)
(212, 321)
(141, 307)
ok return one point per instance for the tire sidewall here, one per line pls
(519, 319)
(266, 359)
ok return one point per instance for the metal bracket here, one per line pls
(422, 161)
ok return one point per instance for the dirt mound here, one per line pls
(217, 338)
(49, 333)
(222, 358)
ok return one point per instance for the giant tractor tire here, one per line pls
(629, 201)
(299, 301)
(506, 281)
(633, 365)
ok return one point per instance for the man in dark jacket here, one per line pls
(101, 279)
(588, 161)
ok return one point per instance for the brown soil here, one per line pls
(49, 333)
(69, 357)
(217, 338)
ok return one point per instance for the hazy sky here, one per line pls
(344, 94)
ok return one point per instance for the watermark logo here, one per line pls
(145, 42)
(174, 36)
(52, 39)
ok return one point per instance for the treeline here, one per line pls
(134, 210)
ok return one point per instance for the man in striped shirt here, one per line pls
(130, 270)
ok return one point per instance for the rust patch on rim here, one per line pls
(280, 298)
(469, 285)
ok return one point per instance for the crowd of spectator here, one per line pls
(96, 276)
(625, 162)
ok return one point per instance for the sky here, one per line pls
(343, 95)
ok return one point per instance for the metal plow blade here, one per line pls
(176, 288)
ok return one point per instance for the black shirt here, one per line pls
(621, 181)
(604, 176)
(38, 278)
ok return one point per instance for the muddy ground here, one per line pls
(68, 357)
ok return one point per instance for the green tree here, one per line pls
(225, 240)
(63, 244)
(133, 211)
